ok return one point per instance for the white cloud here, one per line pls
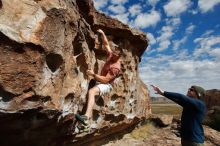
(182, 54)
(179, 71)
(173, 23)
(163, 45)
(207, 45)
(194, 12)
(215, 53)
(178, 43)
(152, 2)
(206, 6)
(122, 17)
(100, 4)
(176, 7)
(151, 38)
(166, 32)
(117, 9)
(119, 1)
(217, 26)
(207, 33)
(176, 21)
(182, 67)
(172, 73)
(190, 29)
(164, 38)
(135, 9)
(145, 20)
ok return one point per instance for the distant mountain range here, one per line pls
(160, 100)
(212, 98)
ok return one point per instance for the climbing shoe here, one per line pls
(83, 128)
(82, 119)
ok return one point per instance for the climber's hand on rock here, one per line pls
(90, 72)
(157, 90)
(100, 31)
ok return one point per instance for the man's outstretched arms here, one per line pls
(178, 98)
(157, 90)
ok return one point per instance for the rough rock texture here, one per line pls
(212, 100)
(162, 120)
(213, 118)
(46, 46)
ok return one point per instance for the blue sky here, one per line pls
(184, 40)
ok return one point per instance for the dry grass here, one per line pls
(142, 132)
(168, 109)
(148, 128)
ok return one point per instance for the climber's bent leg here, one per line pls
(91, 100)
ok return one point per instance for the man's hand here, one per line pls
(100, 31)
(90, 72)
(105, 42)
(157, 90)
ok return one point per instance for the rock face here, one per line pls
(212, 101)
(162, 120)
(46, 46)
(212, 98)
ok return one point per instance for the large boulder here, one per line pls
(162, 120)
(212, 135)
(212, 118)
(46, 46)
(212, 100)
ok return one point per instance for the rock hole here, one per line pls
(47, 98)
(13, 44)
(5, 96)
(0, 4)
(36, 98)
(95, 115)
(81, 62)
(79, 54)
(33, 98)
(35, 47)
(54, 61)
(77, 49)
(114, 97)
(69, 98)
(75, 72)
(77, 45)
(112, 118)
(37, 1)
(99, 100)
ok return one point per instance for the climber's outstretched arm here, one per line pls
(104, 41)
